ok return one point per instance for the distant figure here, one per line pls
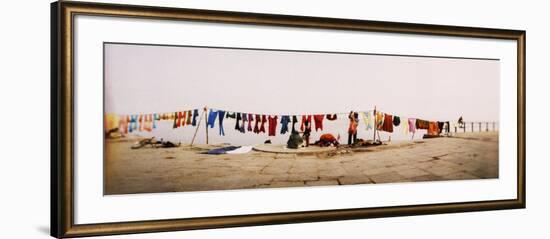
(327, 140)
(352, 130)
(460, 122)
(307, 132)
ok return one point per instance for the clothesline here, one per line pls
(378, 121)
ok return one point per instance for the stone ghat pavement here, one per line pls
(148, 170)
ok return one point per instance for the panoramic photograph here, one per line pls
(201, 118)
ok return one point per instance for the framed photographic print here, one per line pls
(172, 119)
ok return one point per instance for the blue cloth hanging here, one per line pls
(285, 119)
(221, 115)
(212, 118)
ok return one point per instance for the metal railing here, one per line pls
(476, 127)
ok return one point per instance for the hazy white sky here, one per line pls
(157, 79)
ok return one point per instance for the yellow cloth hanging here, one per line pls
(111, 122)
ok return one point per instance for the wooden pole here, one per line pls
(206, 120)
(472, 126)
(197, 129)
(375, 125)
(479, 126)
(486, 126)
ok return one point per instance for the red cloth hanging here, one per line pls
(388, 123)
(318, 119)
(250, 119)
(257, 124)
(262, 126)
(272, 125)
(332, 117)
(305, 118)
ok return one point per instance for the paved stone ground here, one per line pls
(466, 156)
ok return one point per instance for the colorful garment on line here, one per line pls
(367, 119)
(440, 126)
(211, 118)
(195, 114)
(332, 117)
(230, 115)
(272, 125)
(250, 119)
(262, 126)
(305, 118)
(396, 121)
(244, 117)
(433, 128)
(405, 125)
(318, 119)
(257, 124)
(221, 115)
(285, 119)
(412, 125)
(422, 124)
(379, 120)
(189, 114)
(388, 123)
(237, 121)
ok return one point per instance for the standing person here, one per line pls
(352, 130)
(307, 132)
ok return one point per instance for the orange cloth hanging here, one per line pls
(433, 128)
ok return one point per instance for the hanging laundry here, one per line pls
(195, 114)
(140, 122)
(211, 118)
(294, 121)
(379, 118)
(123, 125)
(318, 119)
(111, 122)
(433, 129)
(155, 118)
(147, 122)
(405, 126)
(181, 119)
(188, 121)
(412, 125)
(332, 117)
(230, 115)
(262, 126)
(365, 116)
(244, 119)
(221, 115)
(237, 121)
(305, 118)
(257, 124)
(422, 124)
(133, 124)
(396, 121)
(388, 123)
(285, 119)
(176, 119)
(184, 118)
(370, 120)
(440, 126)
(272, 125)
(448, 126)
(250, 119)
